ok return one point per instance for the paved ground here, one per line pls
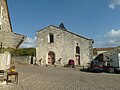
(60, 78)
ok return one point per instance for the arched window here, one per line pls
(77, 50)
(51, 38)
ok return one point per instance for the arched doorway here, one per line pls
(31, 60)
(77, 59)
(77, 55)
(51, 58)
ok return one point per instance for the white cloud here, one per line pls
(111, 39)
(29, 42)
(113, 3)
(113, 34)
(112, 6)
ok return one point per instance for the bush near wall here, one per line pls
(21, 55)
(22, 51)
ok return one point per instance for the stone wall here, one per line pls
(64, 46)
(7, 37)
(4, 17)
(22, 60)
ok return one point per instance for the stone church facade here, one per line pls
(7, 37)
(57, 45)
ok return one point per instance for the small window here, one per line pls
(77, 49)
(1, 12)
(51, 38)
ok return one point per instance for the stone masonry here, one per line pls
(64, 46)
(7, 37)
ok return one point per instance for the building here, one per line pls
(103, 54)
(7, 37)
(99, 51)
(56, 45)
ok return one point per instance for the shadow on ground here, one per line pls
(84, 70)
(88, 71)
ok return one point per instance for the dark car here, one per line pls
(96, 66)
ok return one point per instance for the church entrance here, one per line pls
(77, 59)
(51, 58)
(77, 55)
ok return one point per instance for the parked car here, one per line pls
(96, 66)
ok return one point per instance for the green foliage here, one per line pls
(2, 50)
(22, 51)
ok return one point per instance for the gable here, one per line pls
(65, 30)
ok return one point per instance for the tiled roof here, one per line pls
(104, 49)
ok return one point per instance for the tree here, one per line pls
(22, 51)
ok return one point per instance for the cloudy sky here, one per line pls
(95, 19)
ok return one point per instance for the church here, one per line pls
(7, 37)
(57, 45)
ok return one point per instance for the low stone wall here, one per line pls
(22, 60)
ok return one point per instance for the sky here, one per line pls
(95, 19)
